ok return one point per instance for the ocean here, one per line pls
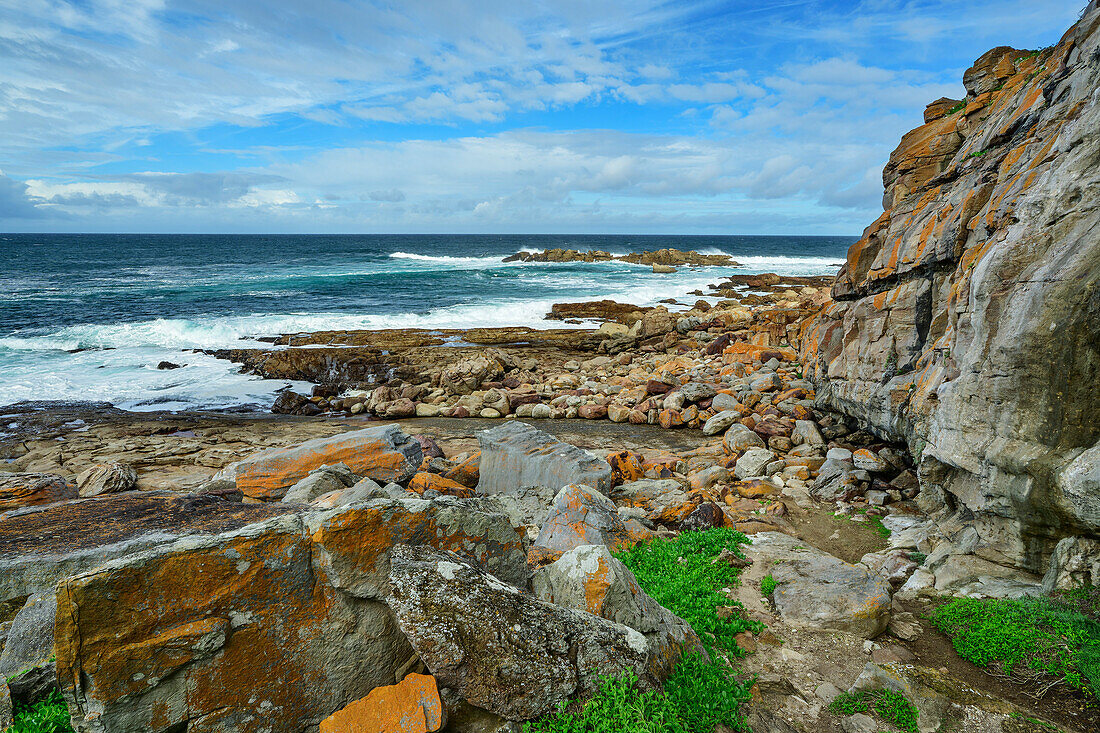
(87, 317)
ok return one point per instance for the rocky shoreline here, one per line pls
(443, 535)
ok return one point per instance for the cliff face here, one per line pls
(966, 321)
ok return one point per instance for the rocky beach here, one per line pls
(778, 502)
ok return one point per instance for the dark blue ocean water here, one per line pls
(128, 301)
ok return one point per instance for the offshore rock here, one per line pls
(967, 320)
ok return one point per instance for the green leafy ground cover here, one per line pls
(701, 694)
(1055, 639)
(50, 715)
(891, 707)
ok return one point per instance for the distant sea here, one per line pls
(87, 317)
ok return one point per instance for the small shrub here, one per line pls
(957, 108)
(890, 707)
(1030, 638)
(767, 586)
(49, 715)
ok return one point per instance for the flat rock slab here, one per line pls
(382, 454)
(41, 545)
(32, 489)
(816, 589)
(515, 455)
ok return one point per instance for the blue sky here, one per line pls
(488, 116)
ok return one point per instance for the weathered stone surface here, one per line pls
(412, 705)
(26, 662)
(41, 545)
(753, 463)
(33, 489)
(813, 588)
(588, 578)
(968, 320)
(503, 650)
(106, 478)
(466, 375)
(720, 422)
(425, 481)
(382, 454)
(626, 466)
(516, 455)
(582, 516)
(172, 636)
(739, 438)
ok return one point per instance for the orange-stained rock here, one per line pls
(383, 454)
(467, 472)
(670, 419)
(411, 706)
(625, 466)
(583, 516)
(424, 481)
(273, 626)
(745, 352)
(537, 557)
(33, 489)
(755, 489)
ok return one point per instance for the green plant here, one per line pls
(958, 107)
(767, 586)
(49, 715)
(918, 557)
(684, 577)
(876, 522)
(891, 707)
(978, 153)
(1050, 640)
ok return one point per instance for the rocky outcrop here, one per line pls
(967, 317)
(32, 489)
(666, 256)
(273, 626)
(515, 455)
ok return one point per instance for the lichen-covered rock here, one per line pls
(26, 663)
(425, 481)
(626, 466)
(33, 489)
(412, 705)
(967, 320)
(174, 636)
(815, 589)
(106, 478)
(501, 649)
(382, 454)
(588, 578)
(466, 375)
(582, 516)
(515, 454)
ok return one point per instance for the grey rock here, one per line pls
(515, 455)
(753, 463)
(818, 590)
(720, 422)
(858, 723)
(739, 438)
(697, 391)
(26, 661)
(806, 433)
(321, 480)
(582, 516)
(723, 402)
(1075, 563)
(503, 650)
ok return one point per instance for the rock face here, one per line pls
(501, 649)
(382, 454)
(516, 455)
(581, 516)
(967, 318)
(170, 638)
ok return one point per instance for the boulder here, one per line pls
(588, 578)
(708, 477)
(26, 662)
(170, 638)
(515, 454)
(33, 489)
(106, 478)
(467, 472)
(739, 438)
(425, 481)
(362, 490)
(806, 433)
(582, 516)
(501, 649)
(818, 590)
(412, 705)
(323, 480)
(660, 498)
(382, 454)
(718, 423)
(753, 463)
(625, 466)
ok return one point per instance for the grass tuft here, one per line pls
(767, 586)
(1042, 640)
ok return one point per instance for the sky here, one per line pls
(487, 116)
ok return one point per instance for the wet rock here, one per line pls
(382, 454)
(500, 649)
(516, 455)
(33, 489)
(290, 403)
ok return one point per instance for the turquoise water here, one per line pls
(88, 317)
